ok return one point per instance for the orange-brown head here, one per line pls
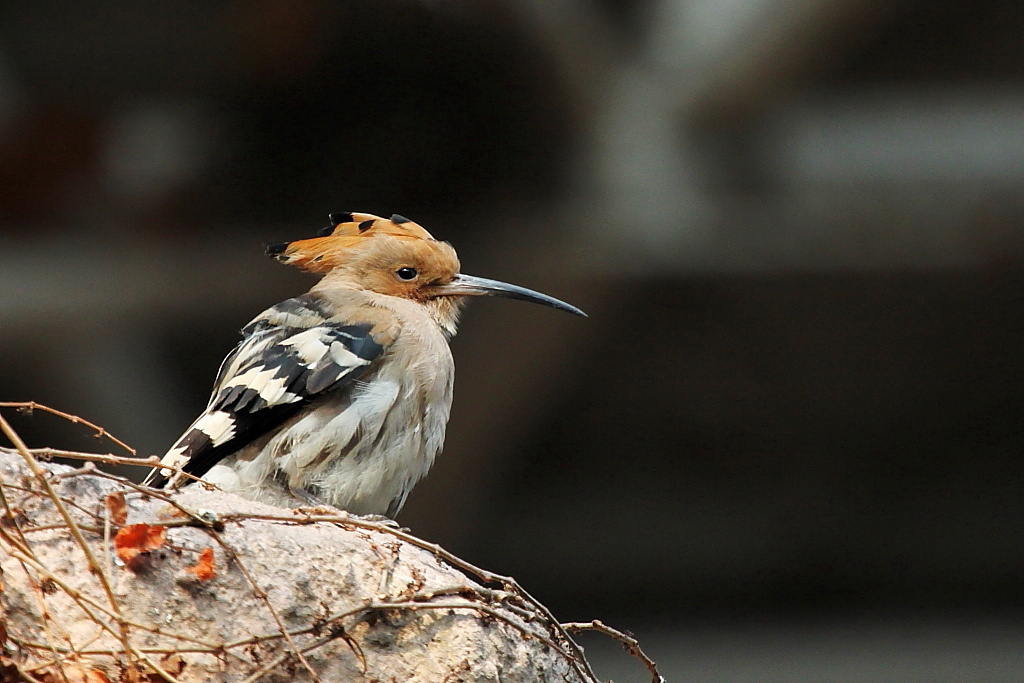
(398, 258)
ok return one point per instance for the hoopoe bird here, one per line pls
(341, 395)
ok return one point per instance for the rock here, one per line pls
(362, 601)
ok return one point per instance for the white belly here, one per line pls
(361, 449)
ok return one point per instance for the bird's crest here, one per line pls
(347, 231)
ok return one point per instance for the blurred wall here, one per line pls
(785, 445)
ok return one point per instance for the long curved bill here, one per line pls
(468, 285)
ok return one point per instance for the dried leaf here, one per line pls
(96, 676)
(203, 569)
(134, 674)
(132, 541)
(8, 669)
(173, 664)
(118, 510)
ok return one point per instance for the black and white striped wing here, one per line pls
(291, 354)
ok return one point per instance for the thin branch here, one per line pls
(156, 667)
(29, 406)
(357, 650)
(32, 493)
(88, 468)
(9, 513)
(628, 642)
(108, 556)
(282, 658)
(105, 458)
(109, 459)
(192, 518)
(79, 650)
(112, 652)
(486, 609)
(51, 527)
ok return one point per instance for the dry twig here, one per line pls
(29, 406)
(628, 642)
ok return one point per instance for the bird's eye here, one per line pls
(406, 273)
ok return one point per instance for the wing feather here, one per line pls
(289, 355)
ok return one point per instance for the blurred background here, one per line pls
(786, 444)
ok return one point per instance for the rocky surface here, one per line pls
(362, 603)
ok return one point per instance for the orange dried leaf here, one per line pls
(118, 510)
(203, 569)
(173, 663)
(133, 540)
(96, 676)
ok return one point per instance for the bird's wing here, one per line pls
(290, 354)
